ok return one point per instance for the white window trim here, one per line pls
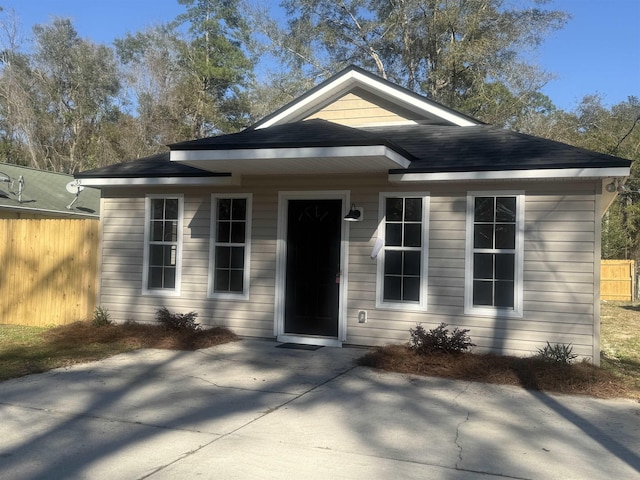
(162, 292)
(247, 250)
(518, 302)
(406, 306)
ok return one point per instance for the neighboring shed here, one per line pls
(357, 211)
(49, 239)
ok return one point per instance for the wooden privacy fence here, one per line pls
(48, 270)
(617, 280)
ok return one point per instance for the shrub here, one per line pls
(101, 317)
(439, 340)
(177, 321)
(557, 353)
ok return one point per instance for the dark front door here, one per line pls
(313, 267)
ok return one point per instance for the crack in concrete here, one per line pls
(242, 389)
(458, 436)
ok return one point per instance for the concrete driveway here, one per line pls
(251, 410)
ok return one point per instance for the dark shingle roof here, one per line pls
(155, 166)
(310, 133)
(485, 147)
(430, 148)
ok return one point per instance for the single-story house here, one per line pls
(355, 212)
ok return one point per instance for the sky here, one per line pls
(597, 52)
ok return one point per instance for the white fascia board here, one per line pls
(404, 97)
(349, 79)
(333, 88)
(151, 181)
(273, 154)
(511, 174)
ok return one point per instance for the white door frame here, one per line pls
(281, 267)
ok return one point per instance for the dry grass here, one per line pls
(618, 376)
(27, 350)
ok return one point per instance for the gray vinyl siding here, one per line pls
(561, 259)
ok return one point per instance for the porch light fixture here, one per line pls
(354, 215)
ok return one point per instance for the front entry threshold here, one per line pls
(309, 340)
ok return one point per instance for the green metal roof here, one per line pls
(44, 193)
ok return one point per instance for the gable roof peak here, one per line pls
(354, 78)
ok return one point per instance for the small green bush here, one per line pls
(178, 321)
(101, 317)
(557, 353)
(438, 339)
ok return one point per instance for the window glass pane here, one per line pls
(482, 236)
(171, 209)
(392, 288)
(235, 281)
(237, 257)
(393, 209)
(156, 255)
(224, 209)
(504, 294)
(411, 289)
(169, 255)
(483, 209)
(393, 262)
(224, 232)
(170, 231)
(169, 277)
(393, 234)
(223, 257)
(413, 210)
(505, 209)
(483, 265)
(157, 208)
(239, 209)
(506, 236)
(482, 292)
(505, 267)
(155, 277)
(412, 235)
(237, 232)
(221, 280)
(494, 229)
(411, 263)
(157, 231)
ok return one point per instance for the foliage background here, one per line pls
(69, 104)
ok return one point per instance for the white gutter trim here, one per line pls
(343, 83)
(289, 153)
(512, 174)
(151, 181)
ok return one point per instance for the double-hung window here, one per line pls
(230, 246)
(163, 244)
(402, 259)
(495, 244)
